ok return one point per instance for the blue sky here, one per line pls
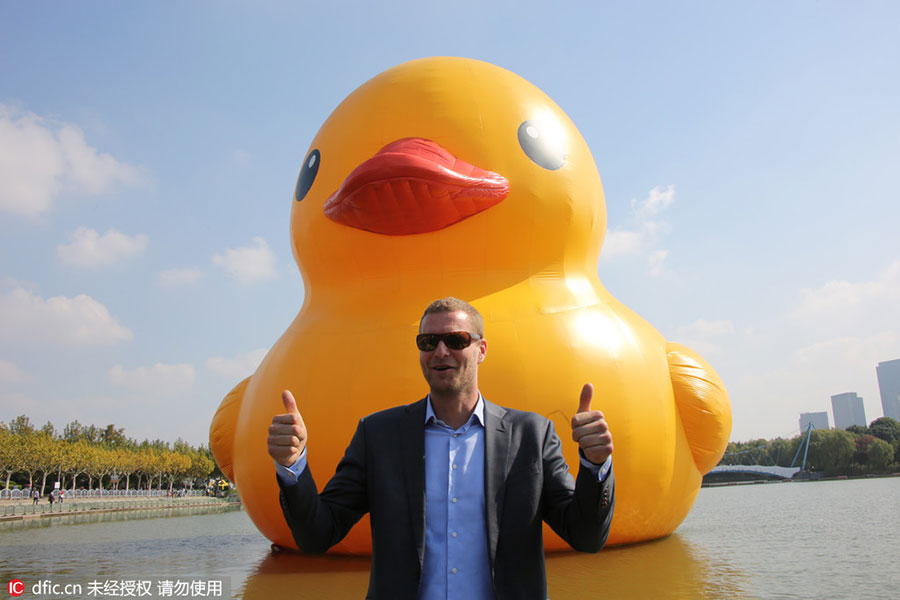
(148, 153)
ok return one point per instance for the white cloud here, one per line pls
(844, 299)
(88, 249)
(41, 159)
(707, 338)
(643, 232)
(26, 317)
(159, 379)
(248, 264)
(621, 242)
(657, 200)
(707, 329)
(175, 277)
(238, 367)
(842, 352)
(10, 373)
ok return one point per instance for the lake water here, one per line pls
(836, 539)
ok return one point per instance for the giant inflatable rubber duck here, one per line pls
(454, 177)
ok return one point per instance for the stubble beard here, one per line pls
(456, 385)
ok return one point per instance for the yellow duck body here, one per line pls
(526, 260)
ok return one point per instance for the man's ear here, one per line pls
(482, 350)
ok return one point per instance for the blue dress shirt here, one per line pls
(456, 563)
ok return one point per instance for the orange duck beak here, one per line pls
(413, 185)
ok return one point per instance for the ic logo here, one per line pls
(15, 587)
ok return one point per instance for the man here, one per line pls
(456, 486)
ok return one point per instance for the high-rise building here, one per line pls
(848, 410)
(819, 420)
(889, 384)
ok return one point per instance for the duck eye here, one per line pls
(542, 144)
(307, 174)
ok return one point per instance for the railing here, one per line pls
(11, 510)
(25, 494)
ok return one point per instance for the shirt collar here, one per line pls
(478, 413)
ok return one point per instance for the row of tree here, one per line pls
(858, 450)
(84, 455)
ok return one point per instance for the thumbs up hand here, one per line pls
(590, 430)
(287, 433)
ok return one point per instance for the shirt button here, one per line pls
(454, 534)
(453, 500)
(454, 467)
(455, 435)
(453, 570)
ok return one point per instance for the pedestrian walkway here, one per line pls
(11, 510)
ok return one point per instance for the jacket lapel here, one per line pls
(412, 448)
(496, 465)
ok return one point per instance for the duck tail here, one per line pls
(222, 428)
(702, 403)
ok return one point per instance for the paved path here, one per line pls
(24, 509)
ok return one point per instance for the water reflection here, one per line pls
(667, 568)
(292, 575)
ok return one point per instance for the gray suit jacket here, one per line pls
(383, 473)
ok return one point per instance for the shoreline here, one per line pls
(21, 510)
(766, 481)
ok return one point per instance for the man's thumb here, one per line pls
(587, 393)
(290, 405)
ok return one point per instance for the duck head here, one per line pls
(444, 169)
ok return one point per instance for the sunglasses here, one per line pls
(455, 340)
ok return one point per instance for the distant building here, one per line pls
(889, 384)
(819, 420)
(848, 410)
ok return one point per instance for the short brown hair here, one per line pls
(451, 304)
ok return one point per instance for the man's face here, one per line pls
(451, 371)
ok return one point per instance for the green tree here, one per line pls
(780, 453)
(80, 456)
(43, 449)
(66, 462)
(863, 443)
(73, 432)
(177, 465)
(106, 464)
(757, 453)
(21, 425)
(126, 464)
(831, 450)
(146, 465)
(8, 460)
(202, 465)
(113, 437)
(885, 428)
(26, 448)
(90, 462)
(880, 456)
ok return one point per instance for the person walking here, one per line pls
(36, 495)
